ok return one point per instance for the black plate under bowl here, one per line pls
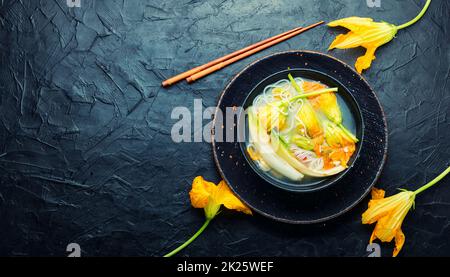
(280, 204)
(351, 116)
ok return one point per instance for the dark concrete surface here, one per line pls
(85, 149)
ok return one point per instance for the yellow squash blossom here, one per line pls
(303, 142)
(334, 136)
(366, 33)
(272, 117)
(307, 115)
(340, 146)
(327, 103)
(210, 197)
(389, 213)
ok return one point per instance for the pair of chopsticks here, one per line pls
(201, 71)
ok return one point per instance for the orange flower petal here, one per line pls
(353, 23)
(376, 210)
(389, 214)
(365, 61)
(200, 192)
(344, 41)
(399, 241)
(377, 193)
(379, 208)
(397, 235)
(372, 237)
(225, 196)
(342, 154)
(312, 86)
(389, 225)
(383, 231)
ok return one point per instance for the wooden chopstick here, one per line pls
(192, 71)
(227, 62)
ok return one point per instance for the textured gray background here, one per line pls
(85, 148)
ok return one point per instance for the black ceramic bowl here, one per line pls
(342, 192)
(352, 119)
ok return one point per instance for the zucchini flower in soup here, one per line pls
(334, 135)
(307, 115)
(342, 154)
(303, 142)
(341, 148)
(366, 33)
(327, 103)
(272, 117)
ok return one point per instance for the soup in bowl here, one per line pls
(303, 130)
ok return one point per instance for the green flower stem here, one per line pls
(432, 182)
(317, 92)
(181, 247)
(419, 16)
(294, 83)
(304, 95)
(348, 133)
(314, 93)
